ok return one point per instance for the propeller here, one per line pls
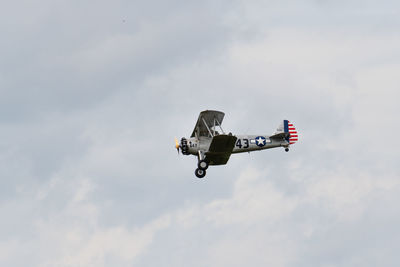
(177, 145)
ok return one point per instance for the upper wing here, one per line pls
(211, 118)
(220, 149)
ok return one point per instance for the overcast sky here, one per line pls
(92, 94)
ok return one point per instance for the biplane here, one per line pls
(213, 147)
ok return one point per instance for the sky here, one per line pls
(93, 93)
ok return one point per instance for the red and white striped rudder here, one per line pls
(293, 135)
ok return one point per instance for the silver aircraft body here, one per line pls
(215, 148)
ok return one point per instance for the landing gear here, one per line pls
(287, 149)
(200, 173)
(203, 165)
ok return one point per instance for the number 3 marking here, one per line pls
(246, 143)
(239, 143)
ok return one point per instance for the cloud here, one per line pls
(117, 244)
(92, 97)
(260, 224)
(72, 235)
(70, 58)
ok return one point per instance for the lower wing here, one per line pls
(220, 149)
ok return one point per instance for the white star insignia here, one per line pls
(260, 140)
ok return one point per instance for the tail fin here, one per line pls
(287, 131)
(289, 128)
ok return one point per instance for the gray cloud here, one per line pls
(92, 97)
(66, 56)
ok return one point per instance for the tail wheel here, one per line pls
(287, 149)
(200, 173)
(203, 165)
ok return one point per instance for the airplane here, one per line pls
(214, 148)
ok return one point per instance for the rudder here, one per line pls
(289, 128)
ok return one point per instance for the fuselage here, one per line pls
(244, 143)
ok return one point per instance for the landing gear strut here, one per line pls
(200, 173)
(202, 165)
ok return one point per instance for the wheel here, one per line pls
(203, 165)
(200, 173)
(287, 149)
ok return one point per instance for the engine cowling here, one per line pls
(184, 146)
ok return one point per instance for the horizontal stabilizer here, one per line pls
(279, 136)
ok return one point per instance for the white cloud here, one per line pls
(117, 244)
(74, 235)
(252, 201)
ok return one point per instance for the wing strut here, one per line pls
(214, 126)
(210, 118)
(212, 133)
(219, 124)
(207, 127)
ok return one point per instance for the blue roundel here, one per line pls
(260, 141)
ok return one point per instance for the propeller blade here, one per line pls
(177, 145)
